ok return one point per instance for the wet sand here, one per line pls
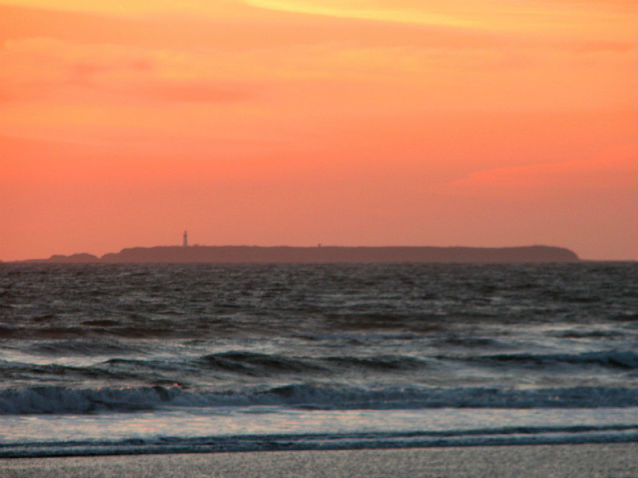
(607, 460)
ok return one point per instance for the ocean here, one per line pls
(163, 358)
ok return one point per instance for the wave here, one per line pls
(81, 347)
(251, 363)
(240, 364)
(469, 341)
(625, 360)
(29, 371)
(61, 400)
(264, 365)
(326, 441)
(256, 364)
(378, 363)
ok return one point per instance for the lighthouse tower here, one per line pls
(185, 243)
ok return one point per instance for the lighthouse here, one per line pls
(185, 243)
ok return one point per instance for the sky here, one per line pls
(298, 122)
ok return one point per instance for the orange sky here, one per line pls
(380, 122)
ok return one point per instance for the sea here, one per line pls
(167, 358)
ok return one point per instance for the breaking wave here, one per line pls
(61, 400)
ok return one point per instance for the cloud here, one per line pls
(257, 30)
(363, 11)
(613, 169)
(525, 17)
(37, 68)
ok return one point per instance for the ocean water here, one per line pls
(119, 359)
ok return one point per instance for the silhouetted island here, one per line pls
(326, 254)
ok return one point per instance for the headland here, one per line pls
(325, 254)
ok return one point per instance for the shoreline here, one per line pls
(582, 460)
(30, 452)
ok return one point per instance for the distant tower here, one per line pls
(185, 243)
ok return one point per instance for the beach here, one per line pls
(590, 460)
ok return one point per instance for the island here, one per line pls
(324, 254)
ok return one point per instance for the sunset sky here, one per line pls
(297, 122)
